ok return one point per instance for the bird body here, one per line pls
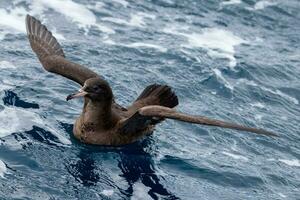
(103, 121)
(101, 125)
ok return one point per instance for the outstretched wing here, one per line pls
(148, 114)
(51, 55)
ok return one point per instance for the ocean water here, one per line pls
(235, 60)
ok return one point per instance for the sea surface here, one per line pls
(234, 60)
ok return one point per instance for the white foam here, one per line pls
(3, 169)
(146, 15)
(140, 191)
(293, 162)
(147, 45)
(281, 94)
(137, 19)
(58, 36)
(235, 156)
(263, 4)
(6, 64)
(231, 2)
(286, 96)
(285, 118)
(258, 117)
(4, 86)
(115, 20)
(10, 83)
(257, 104)
(23, 120)
(76, 12)
(176, 30)
(295, 56)
(247, 82)
(19, 120)
(219, 76)
(109, 41)
(107, 192)
(137, 45)
(214, 38)
(3, 34)
(122, 2)
(218, 42)
(282, 195)
(97, 6)
(13, 19)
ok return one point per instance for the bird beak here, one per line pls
(80, 93)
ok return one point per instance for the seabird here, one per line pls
(103, 121)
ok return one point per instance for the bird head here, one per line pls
(95, 89)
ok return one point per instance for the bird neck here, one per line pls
(97, 114)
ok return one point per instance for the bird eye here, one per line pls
(96, 87)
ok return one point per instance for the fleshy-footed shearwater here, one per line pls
(103, 121)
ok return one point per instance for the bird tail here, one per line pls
(41, 39)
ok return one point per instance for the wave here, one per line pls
(7, 65)
(147, 45)
(79, 13)
(263, 4)
(13, 22)
(121, 2)
(14, 18)
(221, 78)
(24, 120)
(20, 119)
(259, 5)
(272, 91)
(107, 192)
(219, 43)
(137, 19)
(137, 45)
(3, 169)
(231, 2)
(293, 162)
(258, 105)
(139, 192)
(235, 156)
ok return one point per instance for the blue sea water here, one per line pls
(236, 60)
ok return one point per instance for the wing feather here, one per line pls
(51, 55)
(148, 113)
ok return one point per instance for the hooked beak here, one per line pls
(80, 93)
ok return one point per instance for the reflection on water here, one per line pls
(140, 167)
(135, 164)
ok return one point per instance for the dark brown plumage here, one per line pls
(102, 120)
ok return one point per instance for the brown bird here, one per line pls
(103, 121)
